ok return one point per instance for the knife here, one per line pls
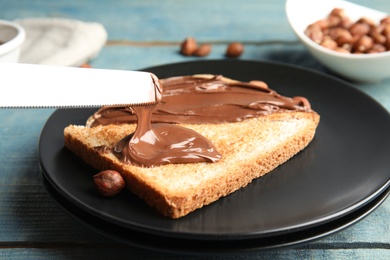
(43, 86)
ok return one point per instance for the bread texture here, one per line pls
(249, 149)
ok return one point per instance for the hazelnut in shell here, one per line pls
(109, 183)
(234, 50)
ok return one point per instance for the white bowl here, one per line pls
(357, 67)
(12, 37)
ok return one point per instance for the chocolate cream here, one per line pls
(162, 143)
(192, 100)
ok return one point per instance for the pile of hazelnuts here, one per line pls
(338, 33)
(189, 47)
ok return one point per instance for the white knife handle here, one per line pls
(27, 85)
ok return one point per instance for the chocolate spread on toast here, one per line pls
(192, 100)
(197, 100)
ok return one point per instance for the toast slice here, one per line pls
(249, 149)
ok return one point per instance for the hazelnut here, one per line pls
(342, 50)
(302, 101)
(368, 21)
(359, 29)
(314, 32)
(386, 31)
(203, 50)
(329, 43)
(259, 83)
(341, 36)
(339, 12)
(234, 50)
(345, 23)
(334, 20)
(363, 44)
(385, 20)
(338, 17)
(387, 44)
(109, 183)
(377, 36)
(377, 48)
(322, 24)
(188, 46)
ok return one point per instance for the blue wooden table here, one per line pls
(143, 34)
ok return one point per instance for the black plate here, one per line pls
(345, 167)
(205, 247)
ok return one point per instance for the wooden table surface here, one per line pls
(143, 34)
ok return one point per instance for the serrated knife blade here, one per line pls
(40, 86)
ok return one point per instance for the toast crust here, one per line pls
(249, 149)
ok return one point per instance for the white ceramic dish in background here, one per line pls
(356, 67)
(12, 37)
